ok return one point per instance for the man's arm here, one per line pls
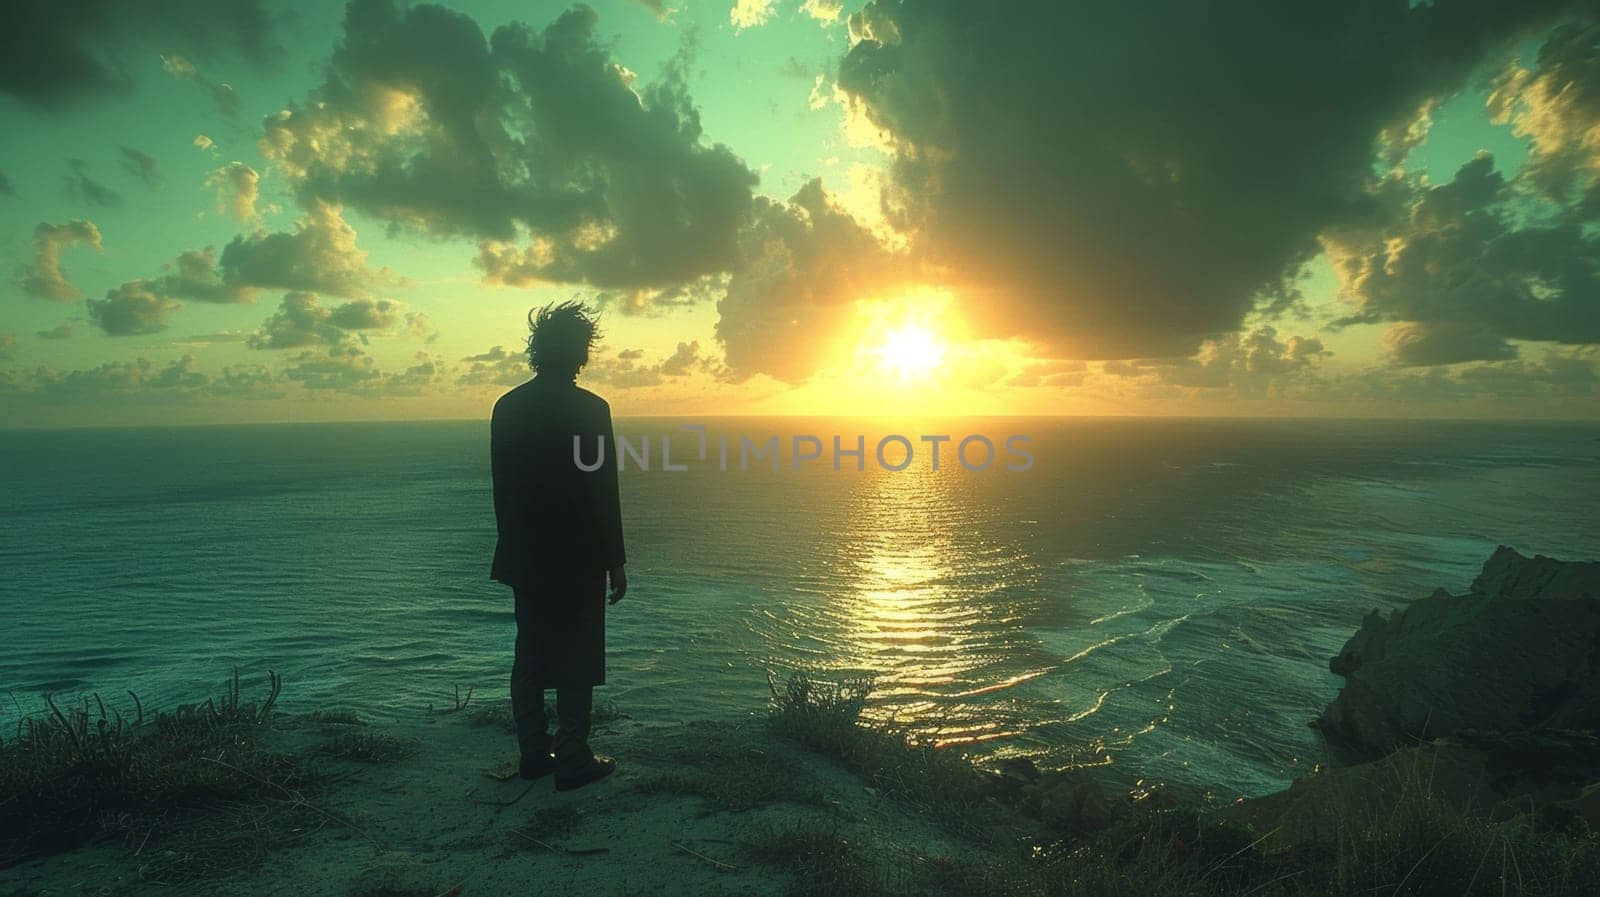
(611, 514)
(500, 471)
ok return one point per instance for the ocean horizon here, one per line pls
(1108, 603)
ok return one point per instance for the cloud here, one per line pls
(142, 380)
(343, 368)
(684, 361)
(365, 314)
(195, 275)
(425, 124)
(804, 264)
(140, 165)
(1571, 372)
(56, 55)
(825, 11)
(63, 331)
(419, 324)
(1556, 106)
(1050, 372)
(319, 256)
(1412, 343)
(5, 186)
(302, 321)
(626, 369)
(221, 94)
(1253, 363)
(46, 278)
(750, 13)
(143, 305)
(87, 190)
(1108, 209)
(1464, 267)
(648, 302)
(496, 367)
(131, 309)
(237, 186)
(114, 378)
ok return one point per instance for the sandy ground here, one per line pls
(437, 821)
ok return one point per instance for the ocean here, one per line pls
(1161, 593)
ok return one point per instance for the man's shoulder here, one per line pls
(512, 397)
(593, 400)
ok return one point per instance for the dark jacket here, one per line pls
(558, 524)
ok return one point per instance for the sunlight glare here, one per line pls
(911, 351)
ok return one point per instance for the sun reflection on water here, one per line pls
(919, 606)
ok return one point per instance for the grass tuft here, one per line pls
(79, 773)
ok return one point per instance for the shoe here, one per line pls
(593, 771)
(536, 766)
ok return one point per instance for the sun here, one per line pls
(911, 351)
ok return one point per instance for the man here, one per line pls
(560, 537)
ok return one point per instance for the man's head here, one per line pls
(559, 338)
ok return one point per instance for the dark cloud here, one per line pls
(1412, 343)
(86, 189)
(1462, 268)
(55, 53)
(1111, 208)
(626, 369)
(419, 378)
(686, 360)
(140, 165)
(142, 380)
(131, 309)
(804, 264)
(5, 186)
(195, 275)
(497, 367)
(247, 381)
(426, 124)
(143, 305)
(319, 256)
(46, 278)
(1254, 363)
(344, 368)
(1558, 373)
(648, 302)
(114, 378)
(302, 321)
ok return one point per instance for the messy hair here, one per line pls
(560, 336)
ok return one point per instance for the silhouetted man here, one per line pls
(560, 537)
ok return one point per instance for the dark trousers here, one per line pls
(574, 707)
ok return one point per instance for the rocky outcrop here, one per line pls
(1519, 651)
(1486, 704)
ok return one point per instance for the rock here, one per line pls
(1319, 806)
(1521, 650)
(1508, 574)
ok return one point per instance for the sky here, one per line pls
(243, 210)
